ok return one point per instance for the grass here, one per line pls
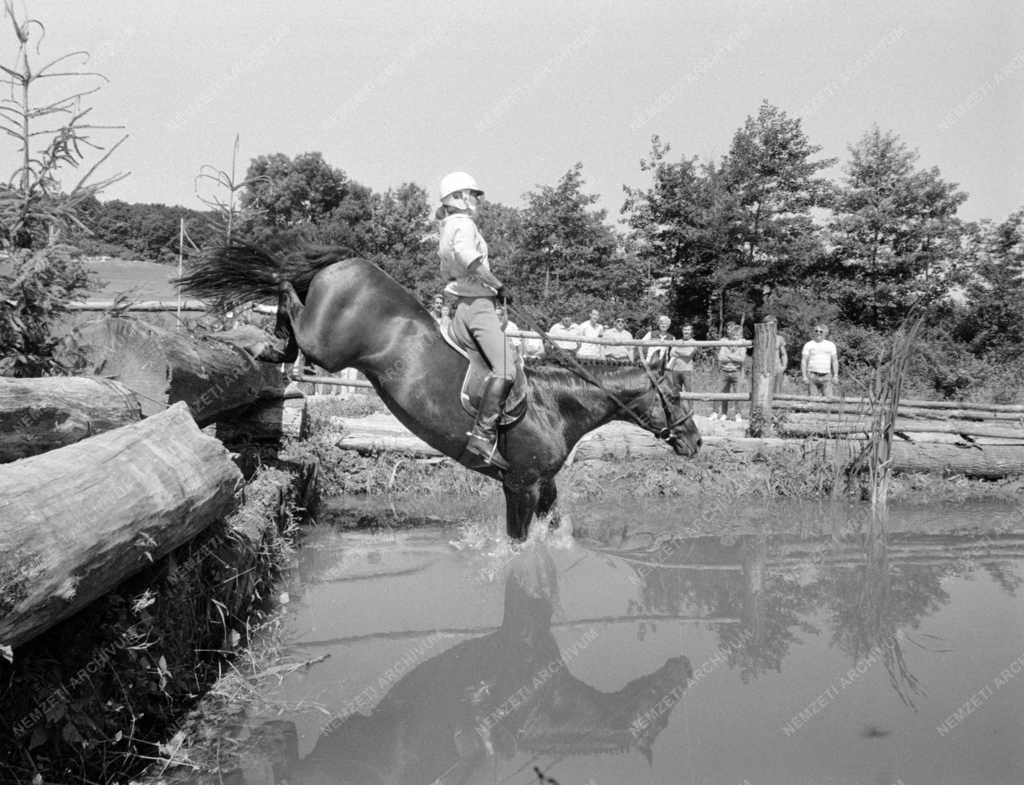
(138, 280)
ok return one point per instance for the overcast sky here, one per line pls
(516, 93)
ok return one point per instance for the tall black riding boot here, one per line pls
(483, 439)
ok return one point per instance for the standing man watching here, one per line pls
(592, 328)
(564, 329)
(618, 332)
(819, 363)
(681, 360)
(653, 356)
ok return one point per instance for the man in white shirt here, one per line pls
(654, 356)
(591, 328)
(565, 329)
(618, 332)
(819, 363)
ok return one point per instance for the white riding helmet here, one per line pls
(452, 187)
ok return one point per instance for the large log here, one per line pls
(211, 374)
(824, 424)
(37, 415)
(75, 522)
(988, 461)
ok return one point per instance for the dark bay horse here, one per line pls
(344, 312)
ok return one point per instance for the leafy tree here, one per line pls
(568, 259)
(308, 195)
(685, 226)
(993, 322)
(895, 235)
(771, 174)
(400, 238)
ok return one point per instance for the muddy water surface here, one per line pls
(767, 645)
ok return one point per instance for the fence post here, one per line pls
(762, 376)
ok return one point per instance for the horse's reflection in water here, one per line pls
(496, 703)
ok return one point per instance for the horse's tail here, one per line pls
(244, 273)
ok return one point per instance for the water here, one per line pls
(777, 644)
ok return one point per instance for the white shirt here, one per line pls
(559, 331)
(618, 352)
(460, 245)
(819, 356)
(589, 329)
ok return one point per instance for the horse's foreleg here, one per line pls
(520, 505)
(548, 496)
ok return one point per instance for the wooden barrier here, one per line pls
(213, 374)
(37, 415)
(76, 521)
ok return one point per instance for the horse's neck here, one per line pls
(600, 407)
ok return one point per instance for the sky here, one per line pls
(517, 93)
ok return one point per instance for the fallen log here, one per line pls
(848, 407)
(76, 521)
(38, 415)
(822, 424)
(212, 374)
(988, 461)
(856, 402)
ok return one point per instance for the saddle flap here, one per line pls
(476, 374)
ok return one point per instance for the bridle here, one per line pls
(665, 433)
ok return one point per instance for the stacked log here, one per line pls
(76, 521)
(212, 375)
(37, 415)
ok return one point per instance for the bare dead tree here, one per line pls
(51, 136)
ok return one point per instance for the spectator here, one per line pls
(782, 356)
(592, 328)
(565, 329)
(618, 332)
(439, 310)
(730, 364)
(532, 345)
(681, 360)
(654, 355)
(508, 326)
(819, 363)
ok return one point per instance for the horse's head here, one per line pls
(670, 418)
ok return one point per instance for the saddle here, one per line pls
(513, 409)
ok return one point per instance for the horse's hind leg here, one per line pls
(289, 308)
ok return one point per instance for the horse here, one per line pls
(343, 311)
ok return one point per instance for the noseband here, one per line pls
(664, 433)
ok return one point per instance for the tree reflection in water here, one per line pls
(873, 588)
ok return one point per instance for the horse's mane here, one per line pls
(552, 377)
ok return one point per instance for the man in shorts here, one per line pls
(819, 363)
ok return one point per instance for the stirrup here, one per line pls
(486, 450)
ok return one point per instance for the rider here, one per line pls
(464, 264)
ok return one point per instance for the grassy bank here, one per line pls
(799, 473)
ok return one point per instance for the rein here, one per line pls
(576, 367)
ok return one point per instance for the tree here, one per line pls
(400, 238)
(993, 322)
(771, 174)
(685, 227)
(307, 195)
(33, 207)
(895, 235)
(568, 259)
